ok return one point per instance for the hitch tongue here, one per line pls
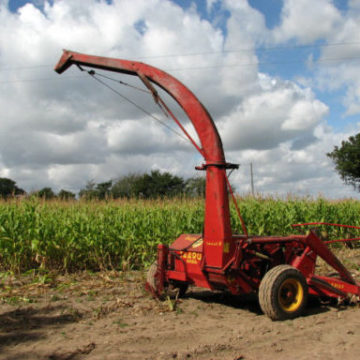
(327, 255)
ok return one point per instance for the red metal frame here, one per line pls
(217, 259)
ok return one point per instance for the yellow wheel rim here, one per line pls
(291, 295)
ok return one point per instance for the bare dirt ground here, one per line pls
(110, 316)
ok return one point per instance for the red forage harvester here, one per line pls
(281, 269)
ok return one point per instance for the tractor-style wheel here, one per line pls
(150, 276)
(171, 290)
(283, 293)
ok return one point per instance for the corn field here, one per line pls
(78, 235)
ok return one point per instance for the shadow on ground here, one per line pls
(31, 324)
(66, 355)
(250, 302)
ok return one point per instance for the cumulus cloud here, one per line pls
(307, 20)
(62, 131)
(343, 69)
(304, 172)
(280, 112)
(336, 67)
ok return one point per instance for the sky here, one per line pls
(281, 79)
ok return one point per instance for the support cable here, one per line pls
(158, 100)
(124, 83)
(167, 112)
(161, 101)
(236, 206)
(93, 74)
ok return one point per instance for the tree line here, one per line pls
(151, 185)
(159, 185)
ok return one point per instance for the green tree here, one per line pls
(8, 188)
(46, 193)
(96, 191)
(66, 195)
(89, 192)
(124, 187)
(103, 190)
(157, 184)
(347, 160)
(195, 187)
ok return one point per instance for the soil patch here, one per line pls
(110, 316)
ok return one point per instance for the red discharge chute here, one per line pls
(217, 228)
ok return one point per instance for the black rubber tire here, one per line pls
(283, 293)
(173, 291)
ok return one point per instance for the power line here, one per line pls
(324, 60)
(252, 179)
(24, 67)
(250, 49)
(43, 79)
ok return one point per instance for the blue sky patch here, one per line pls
(271, 9)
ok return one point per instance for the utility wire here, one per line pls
(252, 49)
(42, 79)
(325, 60)
(287, 47)
(24, 67)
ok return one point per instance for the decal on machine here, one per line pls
(191, 257)
(219, 243)
(191, 237)
(197, 243)
(337, 286)
(213, 243)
